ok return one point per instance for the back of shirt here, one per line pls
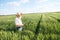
(18, 21)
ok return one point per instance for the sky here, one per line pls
(28, 6)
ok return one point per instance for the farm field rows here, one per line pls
(43, 26)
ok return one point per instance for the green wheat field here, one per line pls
(37, 26)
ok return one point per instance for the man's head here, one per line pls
(19, 14)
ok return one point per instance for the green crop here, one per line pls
(44, 26)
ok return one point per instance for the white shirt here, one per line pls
(18, 21)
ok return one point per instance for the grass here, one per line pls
(44, 26)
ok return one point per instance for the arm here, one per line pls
(19, 25)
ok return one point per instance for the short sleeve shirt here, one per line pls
(18, 21)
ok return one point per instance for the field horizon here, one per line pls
(30, 13)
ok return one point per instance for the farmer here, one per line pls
(18, 21)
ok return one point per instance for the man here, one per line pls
(18, 21)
